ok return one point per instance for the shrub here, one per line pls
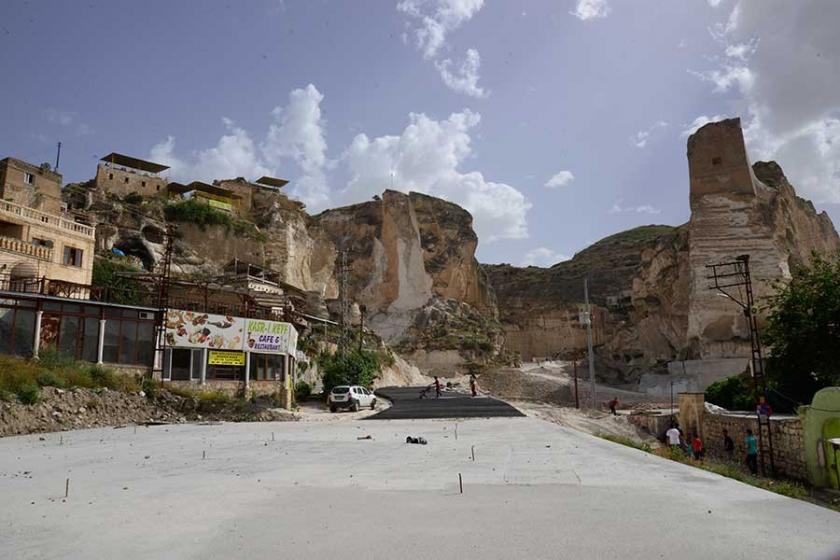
(214, 397)
(353, 368)
(50, 358)
(6, 396)
(29, 393)
(302, 391)
(49, 378)
(732, 393)
(119, 289)
(133, 198)
(624, 440)
(198, 213)
(181, 391)
(150, 387)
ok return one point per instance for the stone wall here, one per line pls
(123, 181)
(787, 434)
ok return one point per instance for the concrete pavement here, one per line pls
(535, 490)
(407, 405)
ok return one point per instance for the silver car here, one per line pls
(353, 397)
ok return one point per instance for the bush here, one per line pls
(51, 379)
(29, 393)
(732, 393)
(150, 387)
(118, 289)
(624, 440)
(198, 213)
(133, 198)
(353, 368)
(302, 391)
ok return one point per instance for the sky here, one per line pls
(554, 122)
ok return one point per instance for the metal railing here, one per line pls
(40, 218)
(45, 286)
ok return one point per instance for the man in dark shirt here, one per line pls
(728, 445)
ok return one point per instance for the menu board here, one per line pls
(190, 329)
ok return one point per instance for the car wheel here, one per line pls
(373, 404)
(355, 406)
(332, 408)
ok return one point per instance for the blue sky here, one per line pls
(554, 122)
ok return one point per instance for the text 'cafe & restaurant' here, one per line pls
(203, 347)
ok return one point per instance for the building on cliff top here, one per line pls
(123, 175)
(216, 197)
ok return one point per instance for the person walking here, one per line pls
(473, 385)
(728, 445)
(673, 436)
(437, 387)
(613, 405)
(752, 452)
(697, 447)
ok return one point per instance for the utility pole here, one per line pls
(344, 304)
(577, 398)
(588, 320)
(736, 274)
(58, 156)
(362, 310)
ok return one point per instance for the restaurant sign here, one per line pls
(271, 337)
(217, 358)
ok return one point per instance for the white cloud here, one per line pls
(714, 3)
(787, 83)
(426, 157)
(700, 121)
(586, 10)
(296, 134)
(542, 256)
(434, 19)
(641, 209)
(464, 78)
(560, 179)
(68, 119)
(640, 139)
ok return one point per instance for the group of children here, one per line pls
(693, 446)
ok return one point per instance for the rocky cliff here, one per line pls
(652, 299)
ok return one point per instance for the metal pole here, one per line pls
(577, 399)
(589, 339)
(58, 156)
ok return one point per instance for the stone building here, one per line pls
(214, 196)
(122, 175)
(32, 186)
(40, 250)
(246, 189)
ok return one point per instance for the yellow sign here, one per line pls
(226, 206)
(226, 358)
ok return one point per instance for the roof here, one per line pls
(30, 167)
(272, 181)
(199, 186)
(134, 163)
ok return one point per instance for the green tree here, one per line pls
(353, 368)
(803, 331)
(119, 289)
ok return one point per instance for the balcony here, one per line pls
(37, 217)
(25, 248)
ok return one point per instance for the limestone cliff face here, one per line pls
(403, 250)
(739, 209)
(653, 302)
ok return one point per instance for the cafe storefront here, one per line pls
(206, 348)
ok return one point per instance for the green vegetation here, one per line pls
(106, 275)
(204, 215)
(803, 332)
(23, 379)
(624, 440)
(732, 393)
(133, 198)
(302, 391)
(353, 368)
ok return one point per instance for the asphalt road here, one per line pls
(407, 405)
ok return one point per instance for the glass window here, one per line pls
(129, 313)
(112, 338)
(197, 360)
(128, 342)
(72, 256)
(91, 310)
(90, 342)
(181, 364)
(68, 335)
(51, 306)
(145, 343)
(7, 333)
(24, 332)
(72, 308)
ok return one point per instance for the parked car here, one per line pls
(353, 397)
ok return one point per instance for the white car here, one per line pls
(353, 397)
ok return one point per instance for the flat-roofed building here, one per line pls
(123, 175)
(32, 186)
(214, 196)
(246, 189)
